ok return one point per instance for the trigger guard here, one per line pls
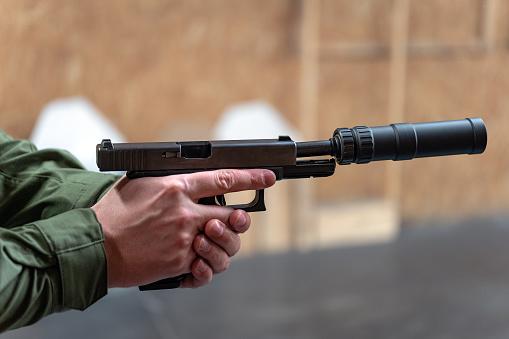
(257, 205)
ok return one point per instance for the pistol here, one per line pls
(289, 159)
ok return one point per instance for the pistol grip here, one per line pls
(164, 284)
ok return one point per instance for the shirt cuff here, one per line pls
(77, 240)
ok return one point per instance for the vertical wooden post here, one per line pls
(303, 199)
(309, 68)
(488, 32)
(489, 24)
(397, 90)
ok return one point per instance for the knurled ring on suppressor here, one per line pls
(343, 146)
(353, 145)
(364, 144)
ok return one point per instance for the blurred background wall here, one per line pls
(161, 69)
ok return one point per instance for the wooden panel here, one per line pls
(355, 21)
(147, 61)
(452, 21)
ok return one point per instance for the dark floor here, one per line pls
(439, 282)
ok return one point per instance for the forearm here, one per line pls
(45, 269)
(51, 244)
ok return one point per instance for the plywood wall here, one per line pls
(166, 60)
(180, 63)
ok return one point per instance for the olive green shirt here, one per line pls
(51, 245)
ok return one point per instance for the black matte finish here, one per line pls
(164, 284)
(408, 141)
(363, 144)
(314, 148)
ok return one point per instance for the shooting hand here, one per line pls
(151, 224)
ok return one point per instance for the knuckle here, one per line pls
(201, 245)
(225, 179)
(184, 241)
(256, 180)
(223, 264)
(201, 271)
(185, 217)
(175, 187)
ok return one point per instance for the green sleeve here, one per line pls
(51, 244)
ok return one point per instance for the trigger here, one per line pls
(220, 200)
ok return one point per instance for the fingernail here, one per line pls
(204, 245)
(267, 177)
(217, 229)
(241, 220)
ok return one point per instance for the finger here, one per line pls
(208, 212)
(215, 256)
(212, 183)
(239, 221)
(222, 236)
(201, 274)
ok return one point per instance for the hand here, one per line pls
(215, 247)
(150, 225)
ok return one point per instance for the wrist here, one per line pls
(112, 254)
